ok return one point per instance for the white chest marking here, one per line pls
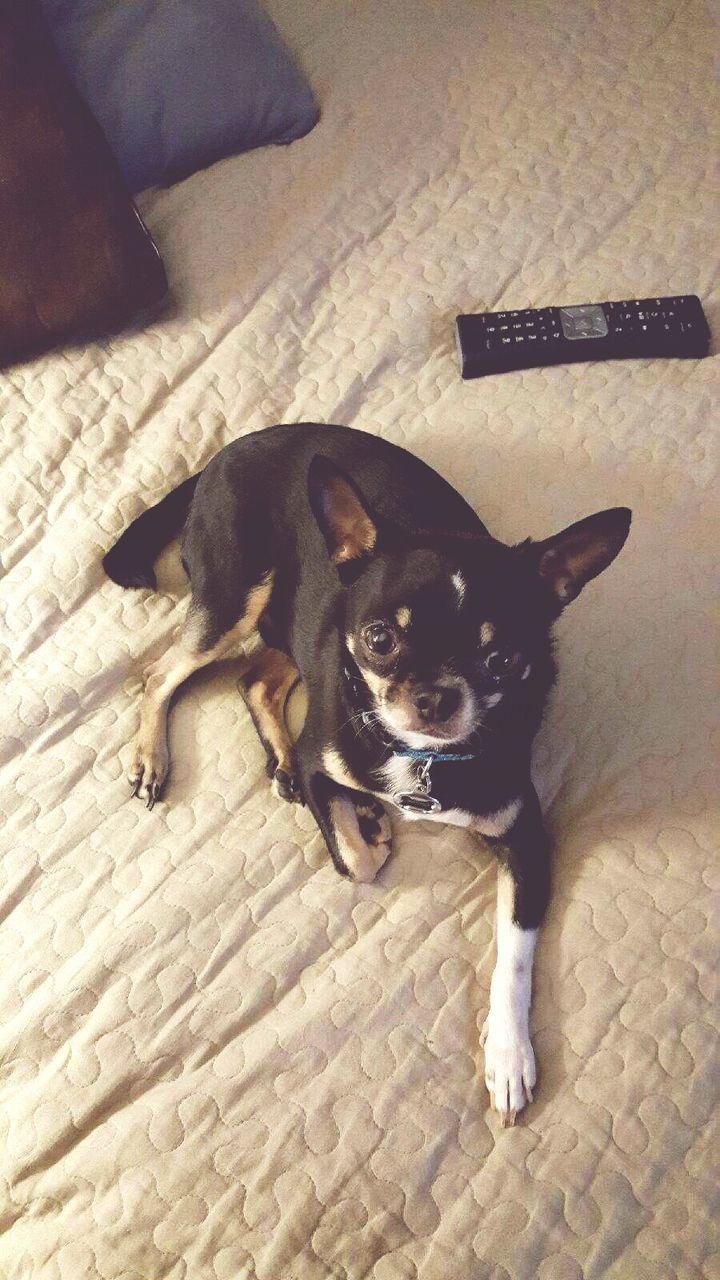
(399, 777)
(496, 824)
(460, 588)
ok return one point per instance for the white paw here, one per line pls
(363, 861)
(148, 772)
(363, 834)
(509, 1067)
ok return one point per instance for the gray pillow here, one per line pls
(178, 84)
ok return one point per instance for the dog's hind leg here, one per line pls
(267, 685)
(197, 646)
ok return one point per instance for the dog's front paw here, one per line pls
(284, 776)
(374, 823)
(376, 833)
(363, 834)
(509, 1067)
(286, 786)
(148, 772)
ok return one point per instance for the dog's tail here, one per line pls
(130, 562)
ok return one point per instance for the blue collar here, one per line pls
(447, 757)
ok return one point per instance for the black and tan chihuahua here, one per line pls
(424, 645)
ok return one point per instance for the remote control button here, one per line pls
(587, 321)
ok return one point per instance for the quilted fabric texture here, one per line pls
(220, 1061)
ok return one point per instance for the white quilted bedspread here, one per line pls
(218, 1060)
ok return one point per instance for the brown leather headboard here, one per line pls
(75, 258)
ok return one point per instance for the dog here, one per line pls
(425, 646)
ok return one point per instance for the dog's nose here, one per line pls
(435, 703)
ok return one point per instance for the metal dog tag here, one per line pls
(417, 802)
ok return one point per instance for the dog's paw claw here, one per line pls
(510, 1074)
(286, 786)
(153, 793)
(146, 776)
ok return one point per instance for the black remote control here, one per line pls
(499, 341)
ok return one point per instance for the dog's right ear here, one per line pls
(339, 508)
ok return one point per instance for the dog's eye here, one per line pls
(501, 665)
(380, 639)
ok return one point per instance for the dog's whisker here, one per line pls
(365, 717)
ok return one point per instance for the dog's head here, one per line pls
(445, 629)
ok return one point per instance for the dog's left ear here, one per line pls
(339, 508)
(569, 560)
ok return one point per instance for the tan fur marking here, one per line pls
(399, 691)
(267, 685)
(376, 684)
(184, 657)
(403, 616)
(352, 528)
(487, 633)
(335, 768)
(257, 602)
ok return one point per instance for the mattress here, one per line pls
(218, 1059)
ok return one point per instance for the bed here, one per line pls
(218, 1059)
